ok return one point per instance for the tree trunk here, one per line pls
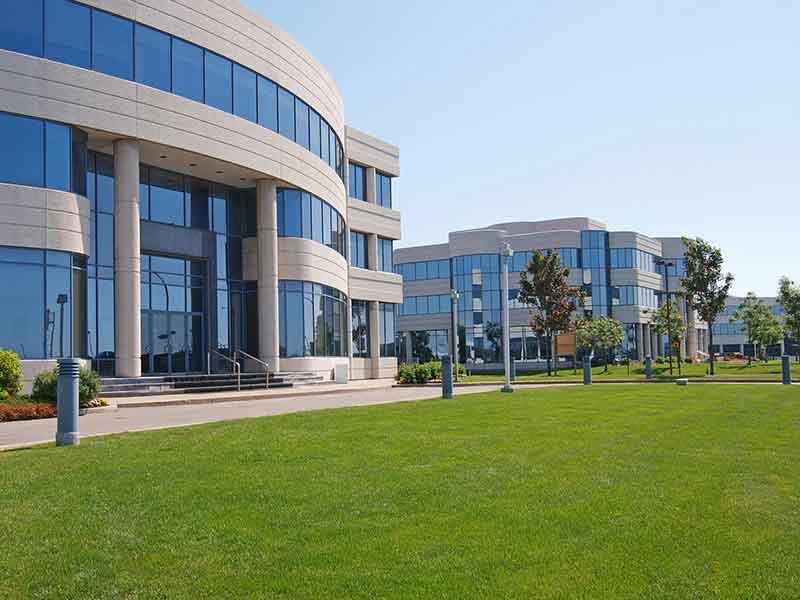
(554, 352)
(711, 348)
(549, 353)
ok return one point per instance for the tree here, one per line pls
(670, 321)
(494, 335)
(602, 334)
(544, 289)
(789, 298)
(704, 284)
(759, 322)
(420, 346)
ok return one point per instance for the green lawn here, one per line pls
(770, 371)
(603, 492)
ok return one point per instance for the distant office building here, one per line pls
(730, 337)
(178, 185)
(617, 270)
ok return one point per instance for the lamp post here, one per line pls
(507, 253)
(454, 323)
(61, 301)
(666, 264)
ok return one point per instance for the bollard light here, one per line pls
(648, 367)
(67, 432)
(787, 370)
(587, 370)
(447, 377)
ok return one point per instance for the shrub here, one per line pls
(422, 373)
(46, 384)
(661, 360)
(688, 361)
(26, 411)
(10, 374)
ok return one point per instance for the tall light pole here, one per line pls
(507, 253)
(666, 264)
(454, 323)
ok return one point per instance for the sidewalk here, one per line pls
(180, 413)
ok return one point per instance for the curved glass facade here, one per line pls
(313, 320)
(303, 215)
(42, 153)
(76, 34)
(43, 314)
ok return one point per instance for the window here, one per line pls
(285, 113)
(67, 31)
(21, 26)
(166, 197)
(360, 324)
(187, 70)
(22, 161)
(324, 146)
(302, 215)
(219, 82)
(383, 185)
(58, 152)
(386, 318)
(385, 255)
(290, 210)
(314, 124)
(267, 104)
(358, 181)
(312, 320)
(153, 58)
(358, 250)
(244, 93)
(112, 44)
(301, 123)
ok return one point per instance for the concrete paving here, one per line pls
(22, 434)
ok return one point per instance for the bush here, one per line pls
(423, 373)
(26, 411)
(688, 361)
(661, 360)
(46, 384)
(10, 374)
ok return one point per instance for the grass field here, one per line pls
(604, 492)
(770, 371)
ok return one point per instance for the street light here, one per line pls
(666, 264)
(506, 253)
(454, 323)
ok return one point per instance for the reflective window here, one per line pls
(166, 197)
(67, 33)
(21, 26)
(23, 161)
(187, 70)
(386, 319)
(112, 44)
(385, 255)
(383, 190)
(360, 325)
(244, 93)
(267, 104)
(153, 58)
(301, 214)
(58, 153)
(358, 181)
(312, 320)
(358, 250)
(324, 146)
(314, 124)
(301, 123)
(219, 82)
(418, 271)
(425, 305)
(286, 123)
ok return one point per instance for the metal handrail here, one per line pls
(236, 368)
(259, 361)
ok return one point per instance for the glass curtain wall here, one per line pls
(313, 320)
(596, 272)
(360, 329)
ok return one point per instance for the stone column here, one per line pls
(374, 338)
(648, 350)
(654, 343)
(127, 260)
(268, 320)
(639, 343)
(371, 193)
(691, 331)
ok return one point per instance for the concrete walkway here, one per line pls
(22, 434)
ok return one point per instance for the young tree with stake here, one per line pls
(789, 298)
(759, 322)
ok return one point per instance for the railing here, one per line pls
(236, 368)
(259, 361)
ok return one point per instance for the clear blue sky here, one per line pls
(671, 117)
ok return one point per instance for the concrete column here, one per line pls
(691, 330)
(654, 343)
(648, 350)
(268, 320)
(371, 193)
(374, 339)
(372, 251)
(639, 343)
(127, 260)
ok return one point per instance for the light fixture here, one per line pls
(192, 164)
(163, 156)
(220, 172)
